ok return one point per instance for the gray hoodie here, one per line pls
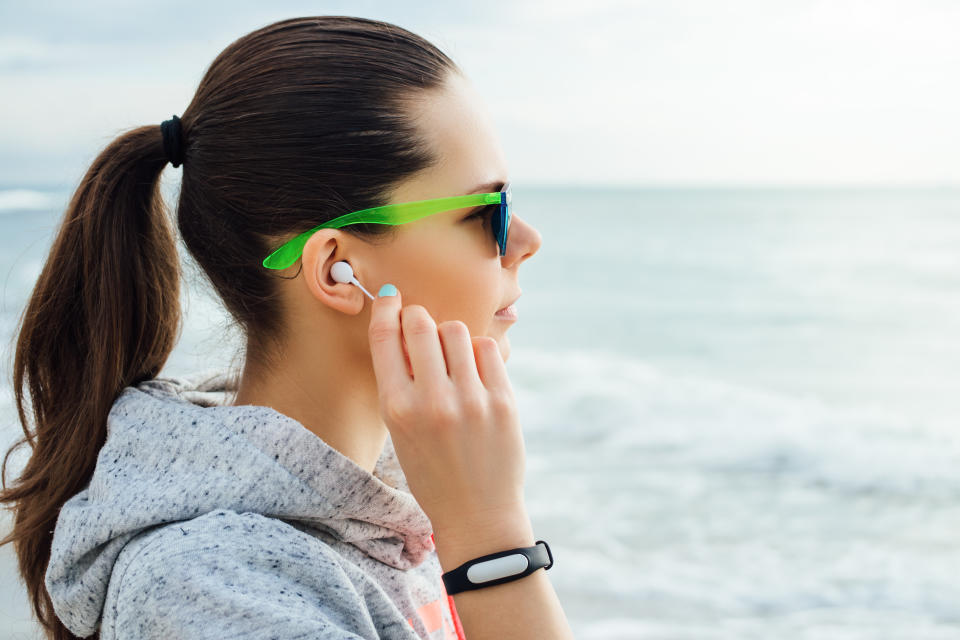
(207, 520)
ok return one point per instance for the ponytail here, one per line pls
(104, 314)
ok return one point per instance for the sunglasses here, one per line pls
(401, 213)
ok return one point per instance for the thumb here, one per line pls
(392, 295)
(385, 320)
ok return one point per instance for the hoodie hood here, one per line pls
(176, 449)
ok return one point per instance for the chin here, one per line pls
(504, 344)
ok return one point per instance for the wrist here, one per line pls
(498, 568)
(468, 540)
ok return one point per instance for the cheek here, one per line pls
(455, 279)
(470, 294)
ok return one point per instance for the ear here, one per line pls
(324, 248)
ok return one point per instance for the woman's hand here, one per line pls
(452, 417)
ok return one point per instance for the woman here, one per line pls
(322, 492)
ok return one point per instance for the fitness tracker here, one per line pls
(497, 568)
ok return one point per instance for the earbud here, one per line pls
(342, 272)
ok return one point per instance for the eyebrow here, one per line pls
(488, 187)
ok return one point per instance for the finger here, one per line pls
(423, 345)
(384, 333)
(492, 370)
(458, 352)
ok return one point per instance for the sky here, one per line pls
(596, 92)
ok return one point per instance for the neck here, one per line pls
(330, 389)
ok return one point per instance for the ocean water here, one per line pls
(740, 406)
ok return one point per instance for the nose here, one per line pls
(523, 241)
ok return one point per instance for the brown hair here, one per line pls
(292, 125)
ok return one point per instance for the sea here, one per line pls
(740, 405)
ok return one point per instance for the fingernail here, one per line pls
(387, 290)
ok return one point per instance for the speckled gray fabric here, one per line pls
(206, 520)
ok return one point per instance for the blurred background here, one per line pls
(737, 362)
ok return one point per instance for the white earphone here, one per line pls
(343, 272)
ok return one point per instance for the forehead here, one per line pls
(458, 128)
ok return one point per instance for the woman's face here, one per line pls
(448, 262)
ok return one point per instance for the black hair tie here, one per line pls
(172, 140)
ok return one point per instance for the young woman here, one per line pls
(369, 451)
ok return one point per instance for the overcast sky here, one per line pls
(677, 92)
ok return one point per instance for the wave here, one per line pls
(27, 200)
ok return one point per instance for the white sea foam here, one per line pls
(712, 509)
(26, 200)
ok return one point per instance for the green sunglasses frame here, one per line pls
(399, 213)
